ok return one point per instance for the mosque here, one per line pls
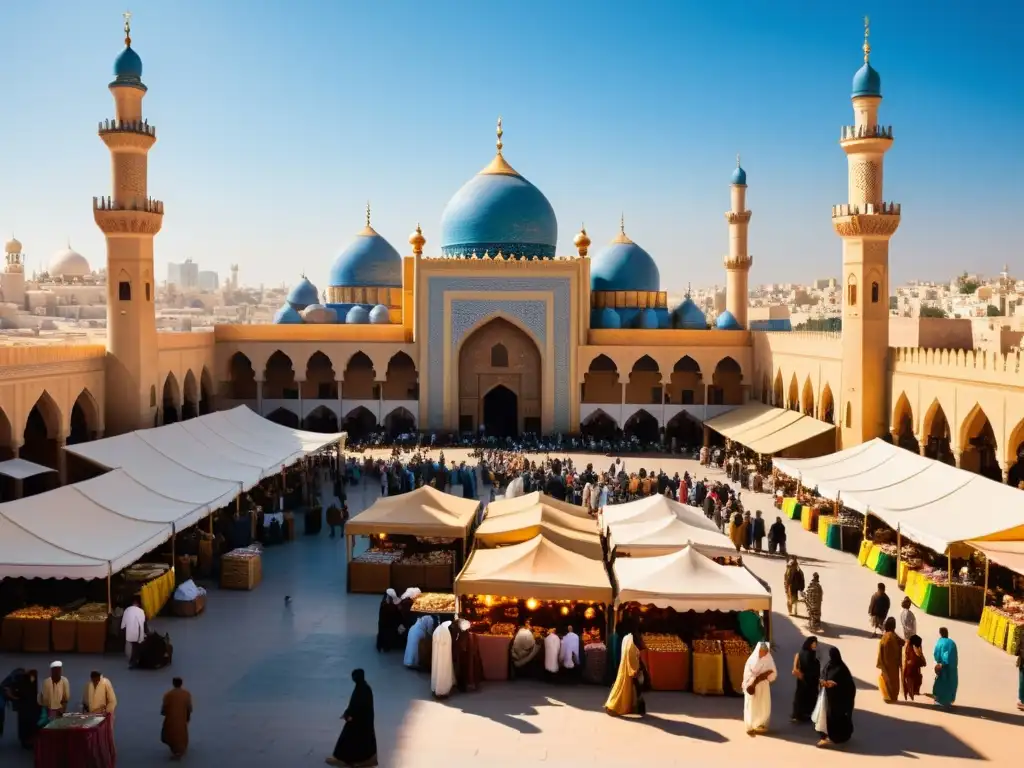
(492, 330)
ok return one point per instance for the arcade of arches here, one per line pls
(645, 384)
(500, 385)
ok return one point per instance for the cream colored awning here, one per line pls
(1009, 554)
(519, 503)
(425, 511)
(765, 429)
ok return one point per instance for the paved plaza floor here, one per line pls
(270, 681)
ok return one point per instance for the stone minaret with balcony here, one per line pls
(865, 223)
(130, 219)
(738, 261)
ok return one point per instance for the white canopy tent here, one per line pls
(656, 507)
(931, 503)
(25, 555)
(688, 581)
(666, 535)
(20, 469)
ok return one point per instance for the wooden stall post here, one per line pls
(865, 525)
(110, 606)
(899, 553)
(949, 555)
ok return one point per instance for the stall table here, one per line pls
(156, 593)
(76, 741)
(825, 525)
(966, 601)
(792, 508)
(668, 670)
(494, 655)
(809, 518)
(881, 562)
(36, 635)
(11, 633)
(930, 597)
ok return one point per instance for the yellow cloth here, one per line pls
(156, 593)
(707, 674)
(824, 523)
(622, 698)
(901, 573)
(865, 550)
(890, 656)
(100, 698)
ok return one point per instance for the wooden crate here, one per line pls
(239, 573)
(62, 635)
(11, 632)
(188, 608)
(369, 578)
(91, 636)
(437, 578)
(405, 575)
(36, 636)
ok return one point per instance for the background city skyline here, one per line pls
(277, 122)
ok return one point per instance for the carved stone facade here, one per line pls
(866, 224)
(865, 181)
(128, 222)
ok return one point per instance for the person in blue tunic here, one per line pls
(946, 678)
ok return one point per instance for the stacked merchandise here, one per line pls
(707, 667)
(433, 602)
(737, 651)
(241, 568)
(370, 572)
(83, 629)
(1002, 624)
(668, 661)
(28, 629)
(595, 657)
(437, 568)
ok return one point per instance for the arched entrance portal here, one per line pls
(501, 412)
(499, 386)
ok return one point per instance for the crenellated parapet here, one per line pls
(737, 217)
(977, 366)
(738, 262)
(850, 220)
(107, 203)
(502, 260)
(854, 132)
(139, 127)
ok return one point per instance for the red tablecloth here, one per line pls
(90, 745)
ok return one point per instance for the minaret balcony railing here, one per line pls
(107, 203)
(127, 126)
(848, 132)
(868, 209)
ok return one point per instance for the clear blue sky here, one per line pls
(277, 121)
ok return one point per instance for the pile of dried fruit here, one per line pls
(434, 602)
(504, 629)
(735, 647)
(35, 612)
(379, 556)
(707, 646)
(663, 643)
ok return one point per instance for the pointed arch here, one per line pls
(41, 430)
(205, 391)
(279, 378)
(977, 442)
(402, 380)
(644, 382)
(190, 402)
(903, 425)
(6, 437)
(849, 415)
(778, 394)
(793, 396)
(359, 379)
(726, 383)
(359, 422)
(601, 382)
(499, 356)
(241, 378)
(765, 388)
(937, 435)
(598, 425)
(827, 405)
(643, 426)
(807, 398)
(285, 417)
(399, 422)
(1015, 456)
(321, 419)
(86, 421)
(900, 411)
(685, 385)
(321, 382)
(685, 429)
(171, 400)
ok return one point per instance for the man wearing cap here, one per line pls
(56, 692)
(99, 697)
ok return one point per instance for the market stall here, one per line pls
(688, 610)
(576, 534)
(767, 430)
(417, 538)
(509, 505)
(664, 536)
(539, 580)
(80, 740)
(1002, 620)
(655, 507)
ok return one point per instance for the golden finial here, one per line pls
(500, 132)
(127, 28)
(368, 231)
(737, 159)
(499, 166)
(582, 241)
(867, 34)
(622, 237)
(417, 240)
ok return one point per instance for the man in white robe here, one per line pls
(758, 672)
(420, 631)
(442, 668)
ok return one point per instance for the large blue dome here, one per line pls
(499, 210)
(302, 294)
(867, 82)
(369, 261)
(727, 322)
(287, 315)
(624, 266)
(689, 316)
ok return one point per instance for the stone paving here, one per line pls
(270, 681)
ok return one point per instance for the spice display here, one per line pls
(379, 556)
(736, 647)
(439, 557)
(504, 629)
(434, 602)
(663, 643)
(36, 612)
(592, 637)
(88, 612)
(242, 554)
(850, 519)
(707, 646)
(435, 541)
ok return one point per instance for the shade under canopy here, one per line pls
(425, 511)
(665, 535)
(1009, 554)
(518, 503)
(688, 581)
(767, 430)
(656, 507)
(931, 503)
(19, 469)
(536, 568)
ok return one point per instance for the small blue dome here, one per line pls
(689, 316)
(380, 315)
(609, 318)
(369, 261)
(302, 294)
(624, 266)
(128, 69)
(727, 322)
(358, 315)
(287, 315)
(739, 176)
(499, 210)
(648, 320)
(867, 82)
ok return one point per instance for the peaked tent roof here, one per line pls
(425, 511)
(656, 507)
(518, 503)
(568, 531)
(930, 502)
(536, 568)
(766, 429)
(19, 469)
(665, 535)
(688, 581)
(25, 555)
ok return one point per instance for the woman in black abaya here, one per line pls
(807, 671)
(389, 617)
(840, 691)
(357, 745)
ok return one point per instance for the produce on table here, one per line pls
(663, 643)
(503, 628)
(440, 557)
(380, 556)
(707, 646)
(434, 602)
(735, 647)
(36, 612)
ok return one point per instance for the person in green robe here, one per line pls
(946, 677)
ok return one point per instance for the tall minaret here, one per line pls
(129, 218)
(738, 262)
(865, 223)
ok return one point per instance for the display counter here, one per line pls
(708, 668)
(792, 508)
(809, 518)
(966, 601)
(881, 562)
(369, 577)
(825, 523)
(930, 597)
(736, 651)
(667, 659)
(241, 569)
(404, 575)
(494, 655)
(156, 593)
(999, 629)
(76, 741)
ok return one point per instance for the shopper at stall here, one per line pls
(422, 630)
(468, 664)
(56, 692)
(878, 609)
(524, 649)
(570, 656)
(177, 712)
(26, 691)
(99, 697)
(777, 537)
(442, 668)
(807, 671)
(552, 651)
(8, 694)
(890, 655)
(389, 617)
(833, 716)
(813, 596)
(626, 696)
(793, 581)
(133, 622)
(908, 622)
(913, 662)
(947, 677)
(737, 531)
(357, 744)
(758, 673)
(757, 530)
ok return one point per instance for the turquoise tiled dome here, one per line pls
(369, 261)
(689, 316)
(727, 322)
(303, 294)
(609, 318)
(739, 176)
(380, 315)
(647, 319)
(624, 266)
(867, 82)
(358, 315)
(287, 315)
(128, 69)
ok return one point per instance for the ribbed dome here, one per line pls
(867, 82)
(303, 294)
(609, 318)
(287, 315)
(68, 264)
(358, 315)
(689, 316)
(624, 266)
(380, 315)
(369, 261)
(727, 322)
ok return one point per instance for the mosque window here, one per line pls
(851, 294)
(124, 291)
(499, 356)
(148, 292)
(152, 397)
(874, 293)
(849, 416)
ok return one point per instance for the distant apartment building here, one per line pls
(773, 318)
(183, 276)
(208, 280)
